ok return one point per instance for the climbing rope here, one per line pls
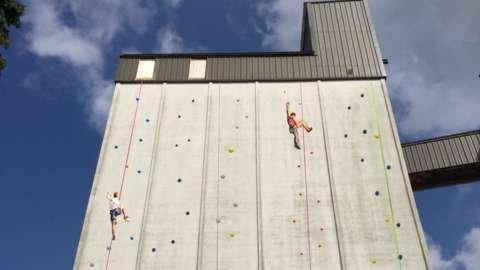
(305, 179)
(126, 163)
(387, 180)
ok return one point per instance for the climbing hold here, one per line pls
(131, 237)
(91, 264)
(318, 201)
(188, 140)
(140, 140)
(139, 171)
(238, 100)
(236, 127)
(387, 220)
(301, 253)
(230, 150)
(172, 242)
(235, 205)
(311, 153)
(389, 167)
(147, 120)
(179, 116)
(373, 261)
(362, 160)
(116, 146)
(137, 99)
(400, 256)
(218, 220)
(222, 176)
(154, 249)
(298, 166)
(376, 136)
(193, 100)
(346, 135)
(294, 221)
(321, 229)
(187, 213)
(319, 245)
(364, 131)
(286, 91)
(377, 193)
(246, 116)
(299, 194)
(231, 235)
(348, 108)
(398, 225)
(179, 180)
(362, 95)
(176, 145)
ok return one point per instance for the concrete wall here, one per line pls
(211, 180)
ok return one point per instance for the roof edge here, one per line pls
(441, 138)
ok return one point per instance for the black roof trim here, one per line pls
(252, 81)
(215, 54)
(440, 138)
(330, 1)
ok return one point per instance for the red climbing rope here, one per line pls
(126, 163)
(306, 182)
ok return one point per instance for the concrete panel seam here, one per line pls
(201, 223)
(330, 174)
(260, 255)
(160, 113)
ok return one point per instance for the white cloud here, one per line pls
(80, 33)
(282, 20)
(49, 37)
(466, 258)
(173, 3)
(169, 40)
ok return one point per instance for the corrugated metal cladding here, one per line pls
(338, 43)
(450, 151)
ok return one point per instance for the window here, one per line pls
(197, 69)
(145, 70)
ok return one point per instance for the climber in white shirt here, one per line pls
(116, 209)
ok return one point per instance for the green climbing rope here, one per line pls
(387, 184)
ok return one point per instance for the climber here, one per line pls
(116, 209)
(294, 125)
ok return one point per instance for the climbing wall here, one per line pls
(211, 180)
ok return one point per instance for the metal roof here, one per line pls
(338, 42)
(444, 160)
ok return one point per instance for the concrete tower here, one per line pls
(199, 148)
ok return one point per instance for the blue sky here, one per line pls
(56, 90)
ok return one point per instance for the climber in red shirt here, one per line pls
(294, 124)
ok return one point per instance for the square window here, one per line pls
(197, 69)
(145, 70)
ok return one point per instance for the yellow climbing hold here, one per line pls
(376, 135)
(387, 220)
(230, 150)
(231, 235)
(373, 261)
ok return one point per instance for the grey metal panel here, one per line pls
(341, 36)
